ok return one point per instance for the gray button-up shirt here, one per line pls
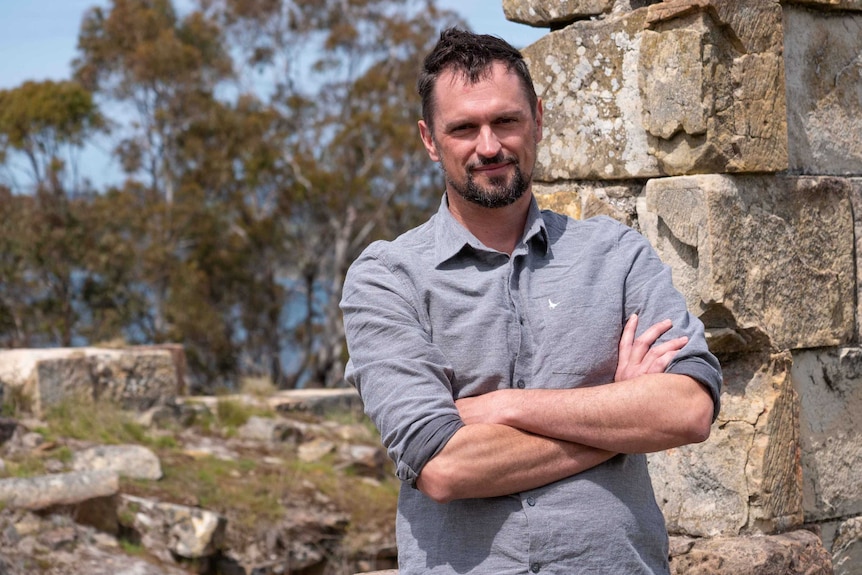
(435, 316)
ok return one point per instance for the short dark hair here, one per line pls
(472, 56)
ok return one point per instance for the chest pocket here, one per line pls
(578, 342)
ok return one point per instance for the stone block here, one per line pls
(61, 379)
(136, 378)
(797, 553)
(133, 461)
(829, 383)
(543, 13)
(746, 478)
(168, 530)
(823, 58)
(584, 199)
(765, 262)
(856, 202)
(677, 87)
(828, 4)
(847, 548)
(59, 489)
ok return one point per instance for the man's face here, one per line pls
(484, 136)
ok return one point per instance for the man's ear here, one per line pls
(428, 141)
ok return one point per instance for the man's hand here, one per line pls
(637, 356)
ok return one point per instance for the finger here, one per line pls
(660, 356)
(655, 331)
(645, 341)
(627, 338)
(673, 345)
(660, 363)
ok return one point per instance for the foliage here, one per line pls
(46, 122)
(263, 145)
(43, 242)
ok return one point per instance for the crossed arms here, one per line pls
(515, 440)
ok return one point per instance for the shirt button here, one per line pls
(535, 567)
(531, 501)
(521, 384)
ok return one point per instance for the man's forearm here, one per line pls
(645, 414)
(488, 460)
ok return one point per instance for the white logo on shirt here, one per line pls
(552, 305)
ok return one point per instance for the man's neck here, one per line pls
(498, 228)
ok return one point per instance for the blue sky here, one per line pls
(38, 37)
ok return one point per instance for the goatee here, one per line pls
(501, 192)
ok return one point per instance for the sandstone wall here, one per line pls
(729, 132)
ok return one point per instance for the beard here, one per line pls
(502, 191)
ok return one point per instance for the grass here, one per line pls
(101, 422)
(132, 548)
(252, 493)
(233, 414)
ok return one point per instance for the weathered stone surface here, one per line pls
(746, 478)
(830, 4)
(315, 401)
(47, 491)
(56, 544)
(763, 261)
(315, 450)
(847, 548)
(544, 13)
(365, 460)
(585, 199)
(829, 383)
(167, 528)
(823, 56)
(271, 429)
(134, 461)
(95, 561)
(134, 378)
(796, 553)
(673, 88)
(856, 202)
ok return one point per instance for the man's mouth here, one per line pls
(492, 169)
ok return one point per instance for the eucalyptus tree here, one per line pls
(43, 126)
(158, 71)
(343, 76)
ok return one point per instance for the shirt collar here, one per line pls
(451, 237)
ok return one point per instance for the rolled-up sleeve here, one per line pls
(404, 380)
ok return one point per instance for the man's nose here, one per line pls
(488, 145)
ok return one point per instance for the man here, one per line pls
(495, 349)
